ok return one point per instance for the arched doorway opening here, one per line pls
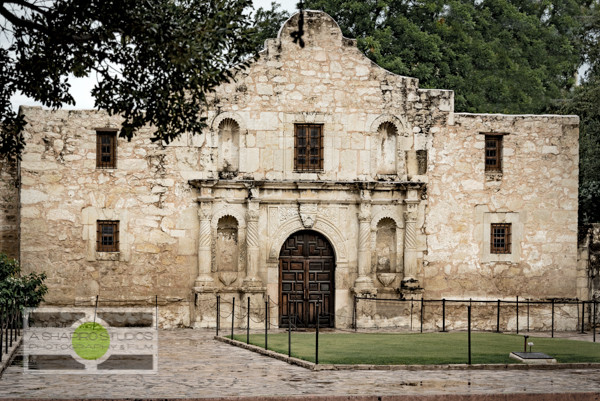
(306, 278)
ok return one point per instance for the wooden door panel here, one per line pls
(306, 267)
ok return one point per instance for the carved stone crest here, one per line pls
(308, 214)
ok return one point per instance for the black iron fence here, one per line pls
(236, 317)
(487, 315)
(11, 324)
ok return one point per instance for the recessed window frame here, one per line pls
(493, 153)
(500, 238)
(308, 147)
(106, 149)
(107, 235)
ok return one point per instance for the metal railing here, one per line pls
(11, 324)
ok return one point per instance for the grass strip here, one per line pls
(422, 349)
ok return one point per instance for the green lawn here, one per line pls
(422, 349)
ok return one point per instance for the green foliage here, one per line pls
(421, 349)
(505, 56)
(267, 24)
(155, 60)
(16, 289)
(584, 102)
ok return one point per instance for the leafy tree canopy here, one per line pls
(155, 60)
(507, 56)
(18, 290)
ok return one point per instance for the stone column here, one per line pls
(252, 245)
(410, 241)
(364, 283)
(204, 278)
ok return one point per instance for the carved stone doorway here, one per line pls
(306, 276)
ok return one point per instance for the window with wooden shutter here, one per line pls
(500, 240)
(106, 149)
(107, 236)
(308, 147)
(493, 153)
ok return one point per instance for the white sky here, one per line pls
(81, 87)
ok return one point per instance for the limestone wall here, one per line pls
(63, 194)
(9, 208)
(537, 192)
(327, 82)
(402, 193)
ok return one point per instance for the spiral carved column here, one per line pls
(364, 283)
(252, 245)
(410, 242)
(204, 278)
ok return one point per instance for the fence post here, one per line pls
(594, 322)
(469, 330)
(517, 314)
(498, 318)
(411, 313)
(552, 317)
(232, 316)
(289, 331)
(422, 305)
(11, 323)
(156, 309)
(354, 313)
(443, 314)
(577, 321)
(248, 323)
(1, 331)
(582, 316)
(527, 314)
(317, 337)
(218, 313)
(6, 329)
(266, 321)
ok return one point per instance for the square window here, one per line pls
(107, 236)
(106, 149)
(493, 153)
(308, 147)
(500, 240)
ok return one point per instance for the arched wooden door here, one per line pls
(306, 276)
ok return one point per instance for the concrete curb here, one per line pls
(7, 358)
(461, 366)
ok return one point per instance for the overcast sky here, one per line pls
(81, 87)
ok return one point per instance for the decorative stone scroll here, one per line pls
(308, 214)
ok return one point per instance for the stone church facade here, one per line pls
(321, 176)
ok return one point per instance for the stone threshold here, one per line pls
(456, 366)
(12, 351)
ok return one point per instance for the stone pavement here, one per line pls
(192, 364)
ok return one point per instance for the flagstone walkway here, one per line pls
(192, 364)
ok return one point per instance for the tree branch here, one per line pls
(27, 4)
(21, 22)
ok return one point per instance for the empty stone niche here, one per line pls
(229, 146)
(385, 245)
(227, 249)
(386, 150)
